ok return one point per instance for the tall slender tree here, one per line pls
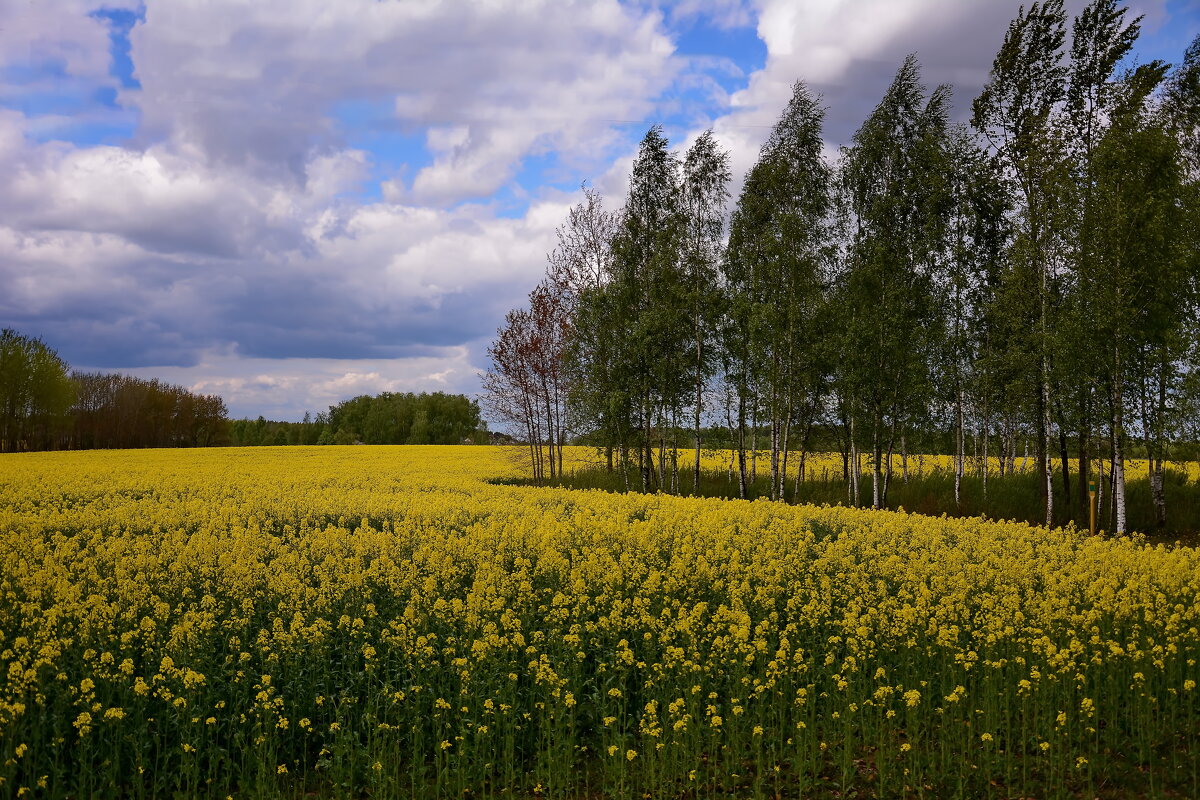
(1138, 213)
(1014, 113)
(890, 178)
(647, 295)
(580, 267)
(1100, 38)
(777, 266)
(704, 194)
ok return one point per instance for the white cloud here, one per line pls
(61, 32)
(256, 85)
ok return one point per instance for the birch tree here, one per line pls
(1014, 114)
(704, 194)
(889, 178)
(776, 266)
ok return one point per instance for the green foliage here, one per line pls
(35, 394)
(121, 411)
(405, 418)
(890, 181)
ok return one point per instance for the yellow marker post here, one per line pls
(1092, 507)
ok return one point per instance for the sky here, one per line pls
(293, 202)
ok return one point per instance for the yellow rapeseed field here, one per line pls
(381, 621)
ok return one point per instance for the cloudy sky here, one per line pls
(291, 202)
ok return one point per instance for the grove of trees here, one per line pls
(403, 418)
(1028, 279)
(46, 406)
(120, 411)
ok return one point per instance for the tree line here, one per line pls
(387, 418)
(1028, 277)
(44, 405)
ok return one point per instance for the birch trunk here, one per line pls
(741, 449)
(877, 468)
(959, 452)
(1118, 434)
(754, 441)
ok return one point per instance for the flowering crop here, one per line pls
(382, 620)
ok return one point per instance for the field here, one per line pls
(383, 622)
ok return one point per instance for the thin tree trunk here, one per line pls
(987, 436)
(675, 458)
(1045, 464)
(663, 456)
(854, 472)
(1156, 482)
(775, 436)
(741, 445)
(624, 458)
(959, 453)
(550, 433)
(754, 441)
(787, 427)
(887, 475)
(696, 470)
(1118, 445)
(647, 465)
(732, 438)
(877, 468)
(1085, 423)
(1064, 458)
(699, 401)
(1155, 445)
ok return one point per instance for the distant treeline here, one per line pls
(45, 406)
(388, 418)
(120, 411)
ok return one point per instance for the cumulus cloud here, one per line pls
(64, 33)
(849, 50)
(260, 82)
(229, 220)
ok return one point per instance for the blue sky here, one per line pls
(289, 202)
